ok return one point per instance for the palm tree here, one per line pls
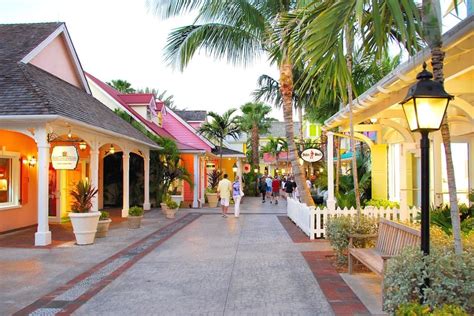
(121, 85)
(239, 31)
(164, 96)
(323, 38)
(220, 127)
(274, 147)
(255, 120)
(431, 15)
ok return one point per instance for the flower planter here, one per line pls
(134, 222)
(171, 212)
(212, 199)
(103, 228)
(84, 226)
(164, 208)
(177, 198)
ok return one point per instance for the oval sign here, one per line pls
(64, 157)
(312, 155)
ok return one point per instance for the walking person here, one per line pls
(289, 188)
(275, 189)
(262, 187)
(224, 188)
(237, 194)
(268, 181)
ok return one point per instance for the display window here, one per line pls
(9, 180)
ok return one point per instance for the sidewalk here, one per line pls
(199, 264)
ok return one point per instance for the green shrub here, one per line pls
(451, 279)
(415, 309)
(171, 204)
(135, 211)
(104, 215)
(339, 228)
(382, 203)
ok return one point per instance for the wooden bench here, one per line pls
(392, 238)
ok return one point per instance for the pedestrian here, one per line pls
(295, 189)
(237, 194)
(289, 188)
(224, 188)
(269, 181)
(262, 187)
(309, 184)
(283, 193)
(275, 189)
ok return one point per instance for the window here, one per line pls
(460, 155)
(9, 180)
(394, 172)
(148, 113)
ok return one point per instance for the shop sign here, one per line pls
(312, 155)
(247, 168)
(64, 157)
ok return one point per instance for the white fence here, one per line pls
(312, 221)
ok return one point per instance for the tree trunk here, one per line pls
(349, 46)
(300, 117)
(432, 35)
(286, 88)
(220, 154)
(255, 143)
(338, 163)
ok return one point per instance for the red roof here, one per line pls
(137, 98)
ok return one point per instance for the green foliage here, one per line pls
(121, 85)
(441, 217)
(382, 203)
(415, 309)
(339, 228)
(451, 279)
(213, 180)
(135, 211)
(82, 195)
(250, 180)
(171, 204)
(104, 215)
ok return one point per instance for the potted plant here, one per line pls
(135, 215)
(172, 208)
(84, 222)
(103, 226)
(163, 205)
(211, 191)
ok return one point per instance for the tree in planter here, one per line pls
(82, 196)
(254, 121)
(220, 127)
(213, 180)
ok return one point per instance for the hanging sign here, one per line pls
(247, 168)
(64, 157)
(312, 155)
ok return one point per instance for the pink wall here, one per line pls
(56, 59)
(183, 134)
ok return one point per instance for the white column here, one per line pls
(94, 174)
(146, 185)
(239, 170)
(196, 181)
(437, 169)
(126, 182)
(43, 234)
(331, 202)
(403, 183)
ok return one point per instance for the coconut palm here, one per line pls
(121, 85)
(274, 146)
(238, 31)
(431, 15)
(255, 121)
(220, 127)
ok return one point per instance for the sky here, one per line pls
(121, 39)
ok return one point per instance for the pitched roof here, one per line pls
(277, 129)
(28, 90)
(227, 152)
(137, 98)
(192, 116)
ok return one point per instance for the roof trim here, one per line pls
(62, 29)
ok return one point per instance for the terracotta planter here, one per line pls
(163, 208)
(171, 212)
(84, 226)
(212, 199)
(134, 222)
(103, 228)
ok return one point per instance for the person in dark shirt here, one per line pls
(262, 187)
(289, 188)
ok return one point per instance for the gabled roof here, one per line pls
(277, 129)
(190, 128)
(137, 98)
(227, 152)
(192, 116)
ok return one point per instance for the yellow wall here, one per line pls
(227, 167)
(26, 214)
(379, 172)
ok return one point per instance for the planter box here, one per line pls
(134, 222)
(171, 212)
(164, 208)
(212, 199)
(103, 228)
(84, 226)
(177, 198)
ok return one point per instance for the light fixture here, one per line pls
(69, 134)
(255, 170)
(321, 169)
(32, 161)
(82, 146)
(282, 171)
(234, 168)
(373, 120)
(112, 149)
(301, 161)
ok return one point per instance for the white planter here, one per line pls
(177, 198)
(85, 226)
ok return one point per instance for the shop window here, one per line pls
(394, 172)
(9, 180)
(460, 155)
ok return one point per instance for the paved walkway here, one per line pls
(200, 264)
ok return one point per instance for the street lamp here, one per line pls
(425, 106)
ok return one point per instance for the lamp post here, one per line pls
(425, 107)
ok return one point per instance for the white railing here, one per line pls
(312, 221)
